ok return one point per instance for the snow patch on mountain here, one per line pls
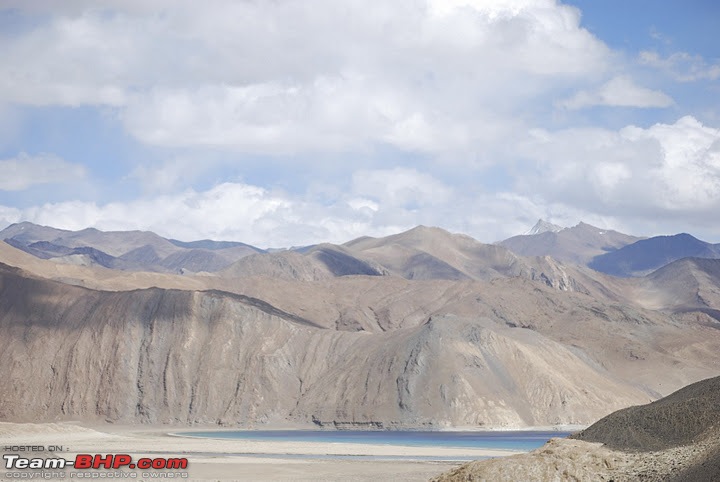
(543, 226)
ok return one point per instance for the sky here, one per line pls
(291, 122)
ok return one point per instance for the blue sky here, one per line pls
(287, 123)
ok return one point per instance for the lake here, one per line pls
(508, 440)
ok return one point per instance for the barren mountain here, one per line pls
(94, 276)
(421, 253)
(689, 284)
(114, 243)
(577, 245)
(647, 255)
(424, 253)
(433, 253)
(334, 337)
(83, 256)
(167, 355)
(689, 415)
(124, 250)
(418, 254)
(508, 353)
(318, 262)
(28, 233)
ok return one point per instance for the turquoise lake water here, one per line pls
(509, 440)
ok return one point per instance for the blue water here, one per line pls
(510, 440)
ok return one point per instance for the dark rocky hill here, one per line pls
(687, 416)
(647, 255)
(674, 439)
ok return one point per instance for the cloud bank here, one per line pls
(285, 123)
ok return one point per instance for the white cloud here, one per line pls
(455, 83)
(227, 211)
(670, 170)
(400, 187)
(172, 174)
(689, 169)
(288, 77)
(376, 203)
(9, 215)
(619, 92)
(609, 175)
(363, 204)
(25, 171)
(683, 66)
(637, 180)
(71, 61)
(329, 114)
(232, 211)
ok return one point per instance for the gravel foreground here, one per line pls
(575, 460)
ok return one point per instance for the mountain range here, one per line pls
(609, 251)
(647, 255)
(124, 250)
(420, 329)
(578, 244)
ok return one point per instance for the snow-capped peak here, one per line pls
(543, 227)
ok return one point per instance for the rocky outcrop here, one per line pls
(676, 438)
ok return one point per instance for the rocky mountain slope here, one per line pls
(576, 245)
(675, 439)
(186, 356)
(473, 356)
(319, 262)
(687, 416)
(689, 285)
(644, 256)
(344, 336)
(432, 253)
(608, 251)
(420, 253)
(124, 250)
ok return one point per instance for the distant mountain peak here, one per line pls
(543, 226)
(583, 224)
(421, 228)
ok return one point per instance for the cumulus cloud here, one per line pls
(172, 174)
(454, 88)
(283, 77)
(375, 203)
(619, 92)
(400, 187)
(682, 66)
(666, 170)
(667, 174)
(688, 173)
(227, 211)
(24, 171)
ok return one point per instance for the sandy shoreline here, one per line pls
(216, 459)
